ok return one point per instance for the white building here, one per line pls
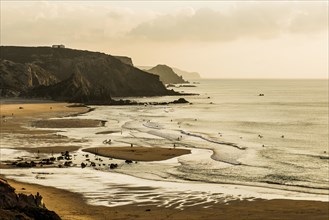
(58, 46)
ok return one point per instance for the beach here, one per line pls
(164, 110)
(72, 206)
(75, 205)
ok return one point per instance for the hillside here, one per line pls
(21, 206)
(67, 74)
(166, 74)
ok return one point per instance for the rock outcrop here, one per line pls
(166, 74)
(184, 74)
(17, 78)
(21, 206)
(126, 60)
(73, 75)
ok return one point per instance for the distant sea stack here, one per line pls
(71, 75)
(166, 74)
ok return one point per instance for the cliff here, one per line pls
(16, 78)
(187, 75)
(70, 75)
(21, 206)
(126, 60)
(166, 74)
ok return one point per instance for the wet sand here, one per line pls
(138, 153)
(72, 206)
(49, 150)
(15, 116)
(68, 123)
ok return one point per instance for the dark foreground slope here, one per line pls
(68, 73)
(20, 206)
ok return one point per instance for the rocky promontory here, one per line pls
(166, 74)
(72, 75)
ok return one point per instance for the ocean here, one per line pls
(244, 145)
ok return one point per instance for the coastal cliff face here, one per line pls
(16, 78)
(126, 60)
(187, 75)
(71, 75)
(166, 74)
(21, 206)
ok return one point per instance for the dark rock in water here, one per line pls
(52, 159)
(67, 163)
(188, 85)
(113, 165)
(128, 161)
(129, 102)
(46, 162)
(72, 75)
(21, 206)
(324, 157)
(180, 101)
(25, 164)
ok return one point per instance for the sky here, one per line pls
(218, 39)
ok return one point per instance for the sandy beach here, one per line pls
(73, 206)
(138, 153)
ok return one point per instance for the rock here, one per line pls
(128, 161)
(67, 163)
(25, 164)
(113, 166)
(180, 101)
(21, 206)
(166, 74)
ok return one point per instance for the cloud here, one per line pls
(255, 20)
(35, 23)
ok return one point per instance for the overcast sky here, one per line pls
(223, 39)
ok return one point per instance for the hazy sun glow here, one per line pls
(218, 39)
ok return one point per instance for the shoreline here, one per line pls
(70, 205)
